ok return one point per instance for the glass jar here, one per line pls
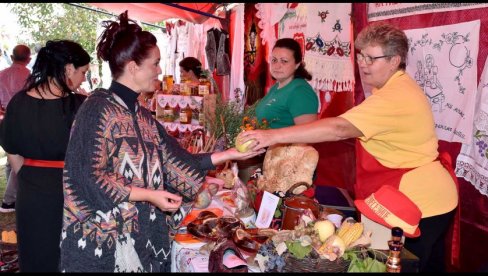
(185, 89)
(194, 90)
(167, 84)
(204, 87)
(201, 118)
(168, 114)
(185, 115)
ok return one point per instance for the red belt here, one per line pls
(43, 163)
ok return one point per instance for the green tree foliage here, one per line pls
(46, 21)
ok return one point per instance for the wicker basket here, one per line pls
(310, 264)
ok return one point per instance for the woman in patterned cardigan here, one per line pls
(121, 163)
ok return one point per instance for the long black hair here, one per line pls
(50, 64)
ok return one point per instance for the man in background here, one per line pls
(12, 80)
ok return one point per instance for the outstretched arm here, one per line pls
(232, 154)
(323, 130)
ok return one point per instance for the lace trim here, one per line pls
(195, 102)
(469, 173)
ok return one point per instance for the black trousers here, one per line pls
(429, 247)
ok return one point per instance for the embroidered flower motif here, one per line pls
(331, 50)
(339, 51)
(323, 15)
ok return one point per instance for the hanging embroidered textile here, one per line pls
(324, 32)
(472, 161)
(236, 91)
(382, 11)
(443, 62)
(268, 15)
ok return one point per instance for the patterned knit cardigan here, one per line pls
(112, 149)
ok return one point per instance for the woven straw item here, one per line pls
(314, 265)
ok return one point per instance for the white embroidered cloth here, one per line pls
(237, 85)
(382, 11)
(472, 161)
(324, 30)
(443, 62)
(269, 14)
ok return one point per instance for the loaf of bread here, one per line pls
(286, 165)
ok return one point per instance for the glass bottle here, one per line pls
(393, 263)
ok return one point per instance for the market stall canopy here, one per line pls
(157, 12)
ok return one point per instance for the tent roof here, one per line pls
(157, 12)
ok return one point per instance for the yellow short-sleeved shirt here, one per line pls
(398, 128)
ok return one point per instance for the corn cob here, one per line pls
(352, 233)
(344, 227)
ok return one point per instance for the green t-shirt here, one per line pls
(280, 106)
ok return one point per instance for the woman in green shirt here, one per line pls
(291, 100)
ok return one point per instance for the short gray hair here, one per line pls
(391, 39)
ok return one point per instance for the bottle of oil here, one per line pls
(393, 263)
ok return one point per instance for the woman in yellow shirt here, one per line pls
(397, 143)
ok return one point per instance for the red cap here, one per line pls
(392, 208)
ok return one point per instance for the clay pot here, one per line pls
(294, 208)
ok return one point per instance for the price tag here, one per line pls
(267, 210)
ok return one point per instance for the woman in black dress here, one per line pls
(35, 134)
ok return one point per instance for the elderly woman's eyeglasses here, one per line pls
(367, 59)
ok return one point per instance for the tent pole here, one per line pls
(111, 14)
(192, 10)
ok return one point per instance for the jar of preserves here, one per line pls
(168, 114)
(194, 90)
(201, 118)
(185, 115)
(204, 87)
(167, 84)
(185, 88)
